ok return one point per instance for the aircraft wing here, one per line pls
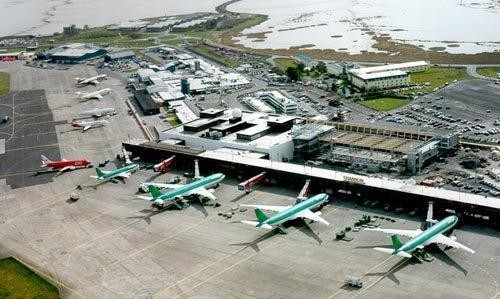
(86, 128)
(67, 168)
(442, 239)
(95, 82)
(311, 215)
(167, 186)
(148, 198)
(124, 175)
(203, 192)
(402, 232)
(98, 96)
(269, 208)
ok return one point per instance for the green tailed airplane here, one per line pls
(179, 191)
(123, 172)
(420, 238)
(285, 213)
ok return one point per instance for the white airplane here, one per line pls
(198, 188)
(85, 125)
(420, 239)
(285, 213)
(98, 112)
(85, 96)
(92, 80)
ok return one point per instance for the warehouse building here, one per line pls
(386, 76)
(147, 105)
(119, 56)
(306, 60)
(73, 53)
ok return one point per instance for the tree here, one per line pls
(321, 67)
(277, 70)
(301, 67)
(294, 73)
(334, 87)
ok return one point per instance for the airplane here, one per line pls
(92, 80)
(420, 238)
(123, 172)
(179, 191)
(285, 213)
(88, 124)
(64, 165)
(85, 96)
(162, 166)
(98, 112)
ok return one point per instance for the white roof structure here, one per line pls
(278, 96)
(259, 105)
(389, 67)
(385, 74)
(385, 183)
(183, 112)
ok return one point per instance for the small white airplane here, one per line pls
(98, 112)
(92, 80)
(85, 96)
(85, 125)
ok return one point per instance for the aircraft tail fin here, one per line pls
(100, 173)
(396, 242)
(154, 191)
(45, 160)
(261, 216)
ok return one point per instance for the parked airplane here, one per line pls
(64, 164)
(98, 112)
(285, 213)
(420, 238)
(92, 80)
(123, 172)
(163, 165)
(85, 125)
(179, 191)
(85, 96)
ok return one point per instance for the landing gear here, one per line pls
(281, 230)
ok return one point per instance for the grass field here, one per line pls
(4, 83)
(210, 54)
(172, 118)
(437, 76)
(18, 281)
(201, 34)
(385, 104)
(285, 63)
(488, 71)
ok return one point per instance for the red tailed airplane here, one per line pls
(64, 165)
(163, 165)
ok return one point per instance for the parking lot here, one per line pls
(469, 108)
